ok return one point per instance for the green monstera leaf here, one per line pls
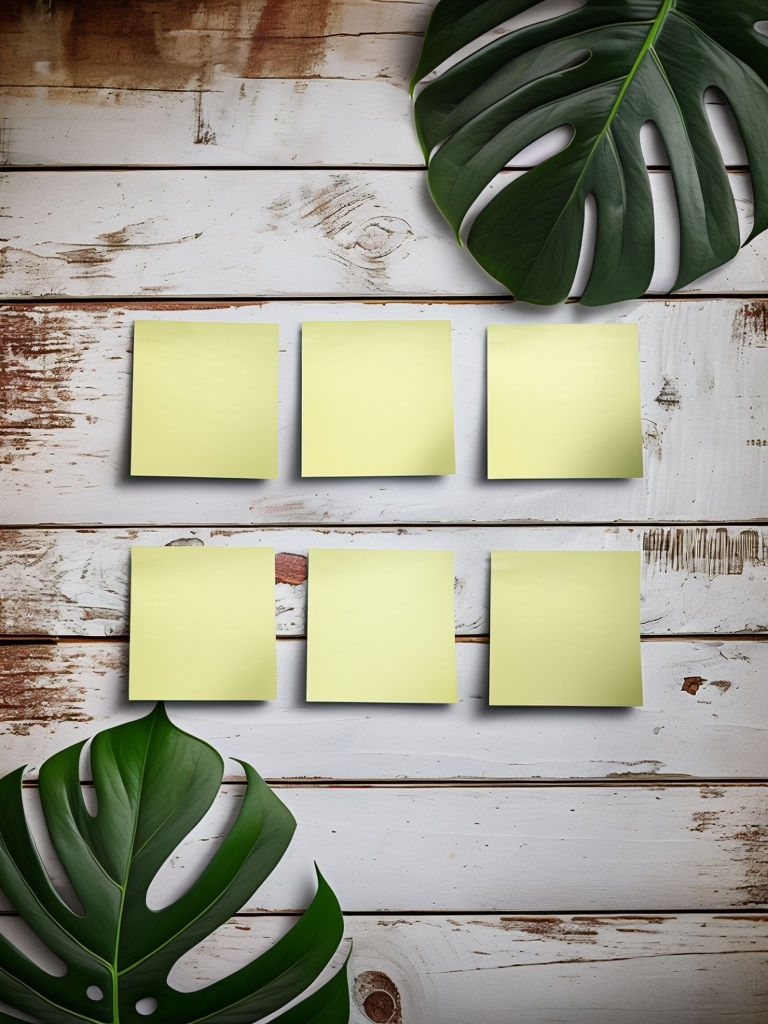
(602, 71)
(153, 784)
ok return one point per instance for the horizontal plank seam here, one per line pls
(51, 640)
(200, 301)
(756, 916)
(274, 168)
(396, 528)
(622, 783)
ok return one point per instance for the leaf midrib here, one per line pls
(188, 924)
(666, 7)
(123, 886)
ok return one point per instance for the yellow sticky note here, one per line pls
(565, 628)
(381, 627)
(204, 399)
(202, 624)
(564, 401)
(377, 399)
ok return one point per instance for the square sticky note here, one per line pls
(381, 626)
(564, 401)
(377, 399)
(565, 628)
(204, 399)
(202, 624)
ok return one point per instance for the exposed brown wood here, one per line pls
(659, 814)
(177, 45)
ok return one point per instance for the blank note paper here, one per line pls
(202, 624)
(564, 401)
(381, 627)
(377, 399)
(565, 628)
(204, 399)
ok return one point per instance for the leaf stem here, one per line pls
(650, 39)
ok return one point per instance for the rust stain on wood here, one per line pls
(378, 997)
(714, 551)
(38, 358)
(579, 931)
(750, 325)
(289, 40)
(172, 45)
(30, 697)
(692, 684)
(746, 846)
(754, 857)
(723, 685)
(291, 569)
(640, 923)
(703, 821)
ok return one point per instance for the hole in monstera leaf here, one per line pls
(587, 253)
(666, 222)
(244, 938)
(541, 12)
(17, 1014)
(183, 866)
(541, 149)
(17, 931)
(725, 128)
(94, 993)
(544, 147)
(730, 142)
(51, 862)
(762, 27)
(146, 1006)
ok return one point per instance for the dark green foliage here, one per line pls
(153, 784)
(604, 70)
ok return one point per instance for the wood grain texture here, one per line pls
(705, 716)
(227, 84)
(488, 969)
(141, 46)
(662, 969)
(625, 830)
(319, 233)
(694, 580)
(243, 122)
(65, 389)
(504, 849)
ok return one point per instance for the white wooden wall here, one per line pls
(254, 160)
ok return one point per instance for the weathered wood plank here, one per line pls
(705, 717)
(418, 970)
(694, 579)
(320, 122)
(503, 849)
(65, 387)
(253, 83)
(232, 123)
(583, 970)
(178, 47)
(264, 233)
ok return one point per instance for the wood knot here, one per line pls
(378, 997)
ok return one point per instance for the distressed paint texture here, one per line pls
(712, 551)
(497, 814)
(709, 725)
